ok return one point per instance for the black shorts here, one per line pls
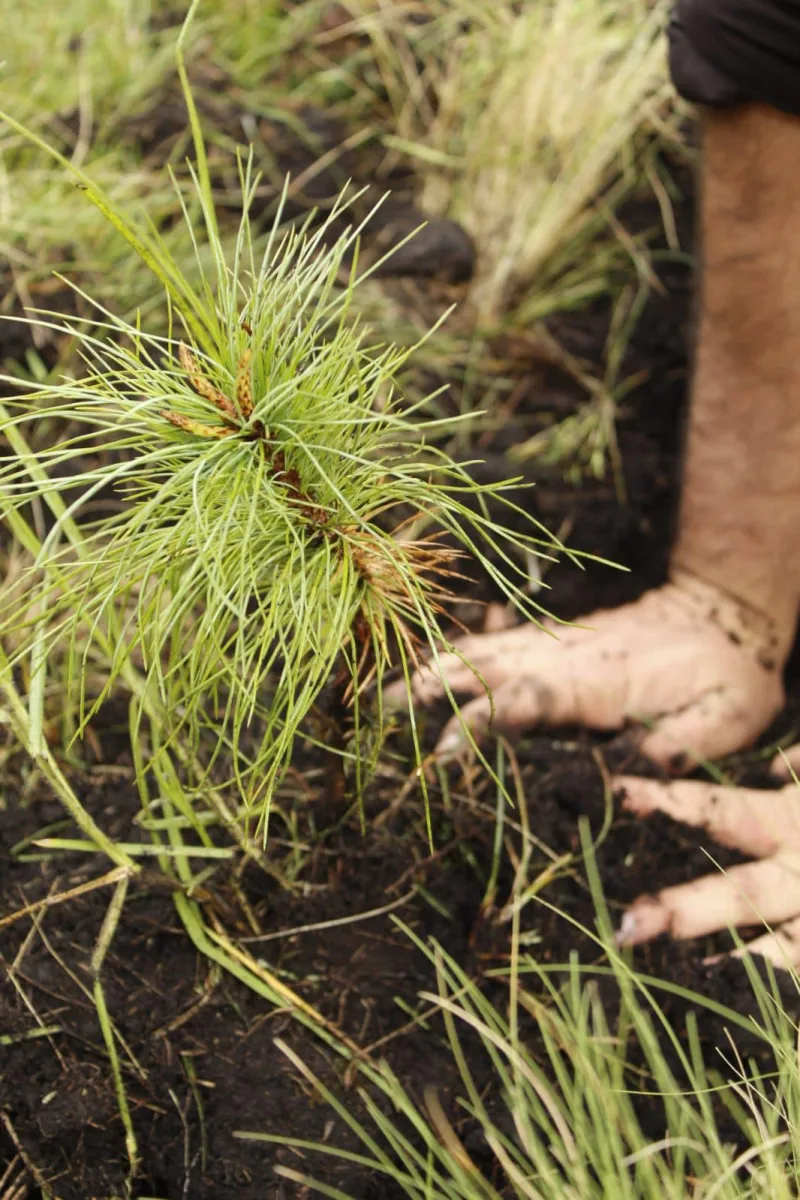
(725, 52)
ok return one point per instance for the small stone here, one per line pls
(440, 248)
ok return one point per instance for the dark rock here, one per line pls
(439, 247)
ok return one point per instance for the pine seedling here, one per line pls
(248, 512)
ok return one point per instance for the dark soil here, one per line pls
(200, 1060)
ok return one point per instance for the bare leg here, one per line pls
(702, 656)
(741, 505)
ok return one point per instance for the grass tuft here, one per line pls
(523, 123)
(584, 1103)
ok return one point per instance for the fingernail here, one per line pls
(781, 768)
(646, 919)
(626, 934)
(450, 744)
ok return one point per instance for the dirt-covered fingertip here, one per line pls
(456, 740)
(451, 746)
(424, 687)
(646, 919)
(666, 752)
(636, 795)
(786, 765)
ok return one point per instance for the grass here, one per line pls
(569, 1071)
(532, 125)
(84, 70)
(98, 62)
(76, 73)
(92, 78)
(587, 441)
(525, 124)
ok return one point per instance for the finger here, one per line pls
(714, 725)
(755, 822)
(490, 660)
(574, 688)
(428, 683)
(511, 708)
(767, 891)
(458, 671)
(786, 764)
(781, 946)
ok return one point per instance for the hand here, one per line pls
(702, 674)
(699, 670)
(763, 824)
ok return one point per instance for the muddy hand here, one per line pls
(690, 664)
(763, 824)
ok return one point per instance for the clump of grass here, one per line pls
(522, 121)
(264, 43)
(87, 60)
(586, 441)
(83, 70)
(564, 1117)
(255, 460)
(76, 73)
(82, 75)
